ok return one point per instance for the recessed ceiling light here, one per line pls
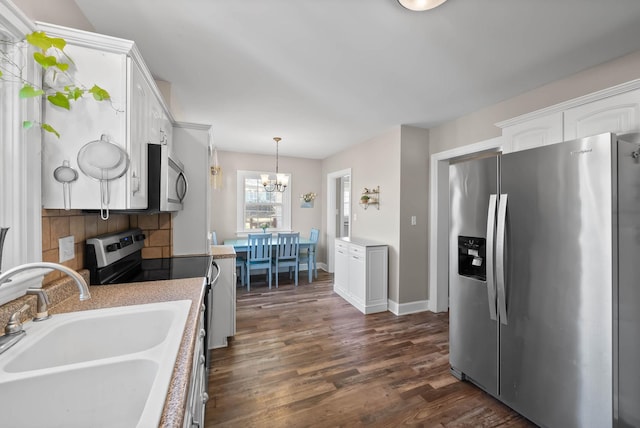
(420, 5)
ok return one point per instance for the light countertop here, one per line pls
(64, 298)
(223, 251)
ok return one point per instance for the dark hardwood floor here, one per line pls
(304, 357)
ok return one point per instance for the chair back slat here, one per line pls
(288, 245)
(259, 247)
(313, 236)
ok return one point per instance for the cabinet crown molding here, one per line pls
(109, 44)
(575, 102)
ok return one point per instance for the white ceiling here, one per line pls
(326, 74)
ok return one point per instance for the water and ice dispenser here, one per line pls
(472, 257)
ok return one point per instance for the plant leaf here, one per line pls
(60, 100)
(45, 61)
(99, 94)
(40, 40)
(49, 128)
(74, 93)
(62, 66)
(27, 124)
(28, 91)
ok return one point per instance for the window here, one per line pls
(256, 206)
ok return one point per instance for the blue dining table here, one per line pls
(240, 245)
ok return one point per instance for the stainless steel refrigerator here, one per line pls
(544, 280)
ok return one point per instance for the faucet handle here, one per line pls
(43, 303)
(15, 325)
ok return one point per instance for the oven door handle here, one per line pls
(215, 279)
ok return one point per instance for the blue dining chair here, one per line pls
(286, 254)
(309, 256)
(241, 262)
(258, 255)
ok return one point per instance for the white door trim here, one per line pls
(331, 212)
(439, 218)
(20, 164)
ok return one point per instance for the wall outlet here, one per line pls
(66, 248)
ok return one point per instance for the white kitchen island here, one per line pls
(361, 273)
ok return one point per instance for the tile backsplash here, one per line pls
(60, 223)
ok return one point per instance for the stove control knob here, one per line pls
(113, 247)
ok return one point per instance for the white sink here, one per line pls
(91, 335)
(105, 367)
(108, 395)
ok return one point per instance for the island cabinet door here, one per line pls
(358, 275)
(341, 270)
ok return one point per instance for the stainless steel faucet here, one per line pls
(79, 280)
(13, 330)
(42, 313)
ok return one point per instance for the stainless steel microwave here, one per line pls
(168, 185)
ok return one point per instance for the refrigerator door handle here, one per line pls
(500, 262)
(491, 231)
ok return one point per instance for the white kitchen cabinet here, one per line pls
(126, 120)
(223, 298)
(166, 132)
(534, 133)
(363, 279)
(139, 125)
(191, 225)
(619, 114)
(615, 109)
(341, 270)
(161, 126)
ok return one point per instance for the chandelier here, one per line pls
(281, 181)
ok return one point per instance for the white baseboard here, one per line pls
(321, 266)
(408, 308)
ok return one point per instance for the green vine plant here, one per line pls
(55, 62)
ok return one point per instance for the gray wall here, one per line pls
(305, 178)
(375, 162)
(479, 125)
(414, 184)
(60, 12)
(397, 161)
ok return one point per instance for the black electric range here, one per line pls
(163, 269)
(116, 258)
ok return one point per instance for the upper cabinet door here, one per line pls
(533, 133)
(619, 114)
(139, 128)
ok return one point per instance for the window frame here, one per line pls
(242, 175)
(20, 149)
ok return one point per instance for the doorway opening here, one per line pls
(343, 205)
(338, 210)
